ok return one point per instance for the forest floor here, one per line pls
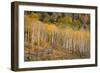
(53, 54)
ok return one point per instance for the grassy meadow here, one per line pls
(56, 36)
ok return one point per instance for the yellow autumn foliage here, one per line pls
(51, 27)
